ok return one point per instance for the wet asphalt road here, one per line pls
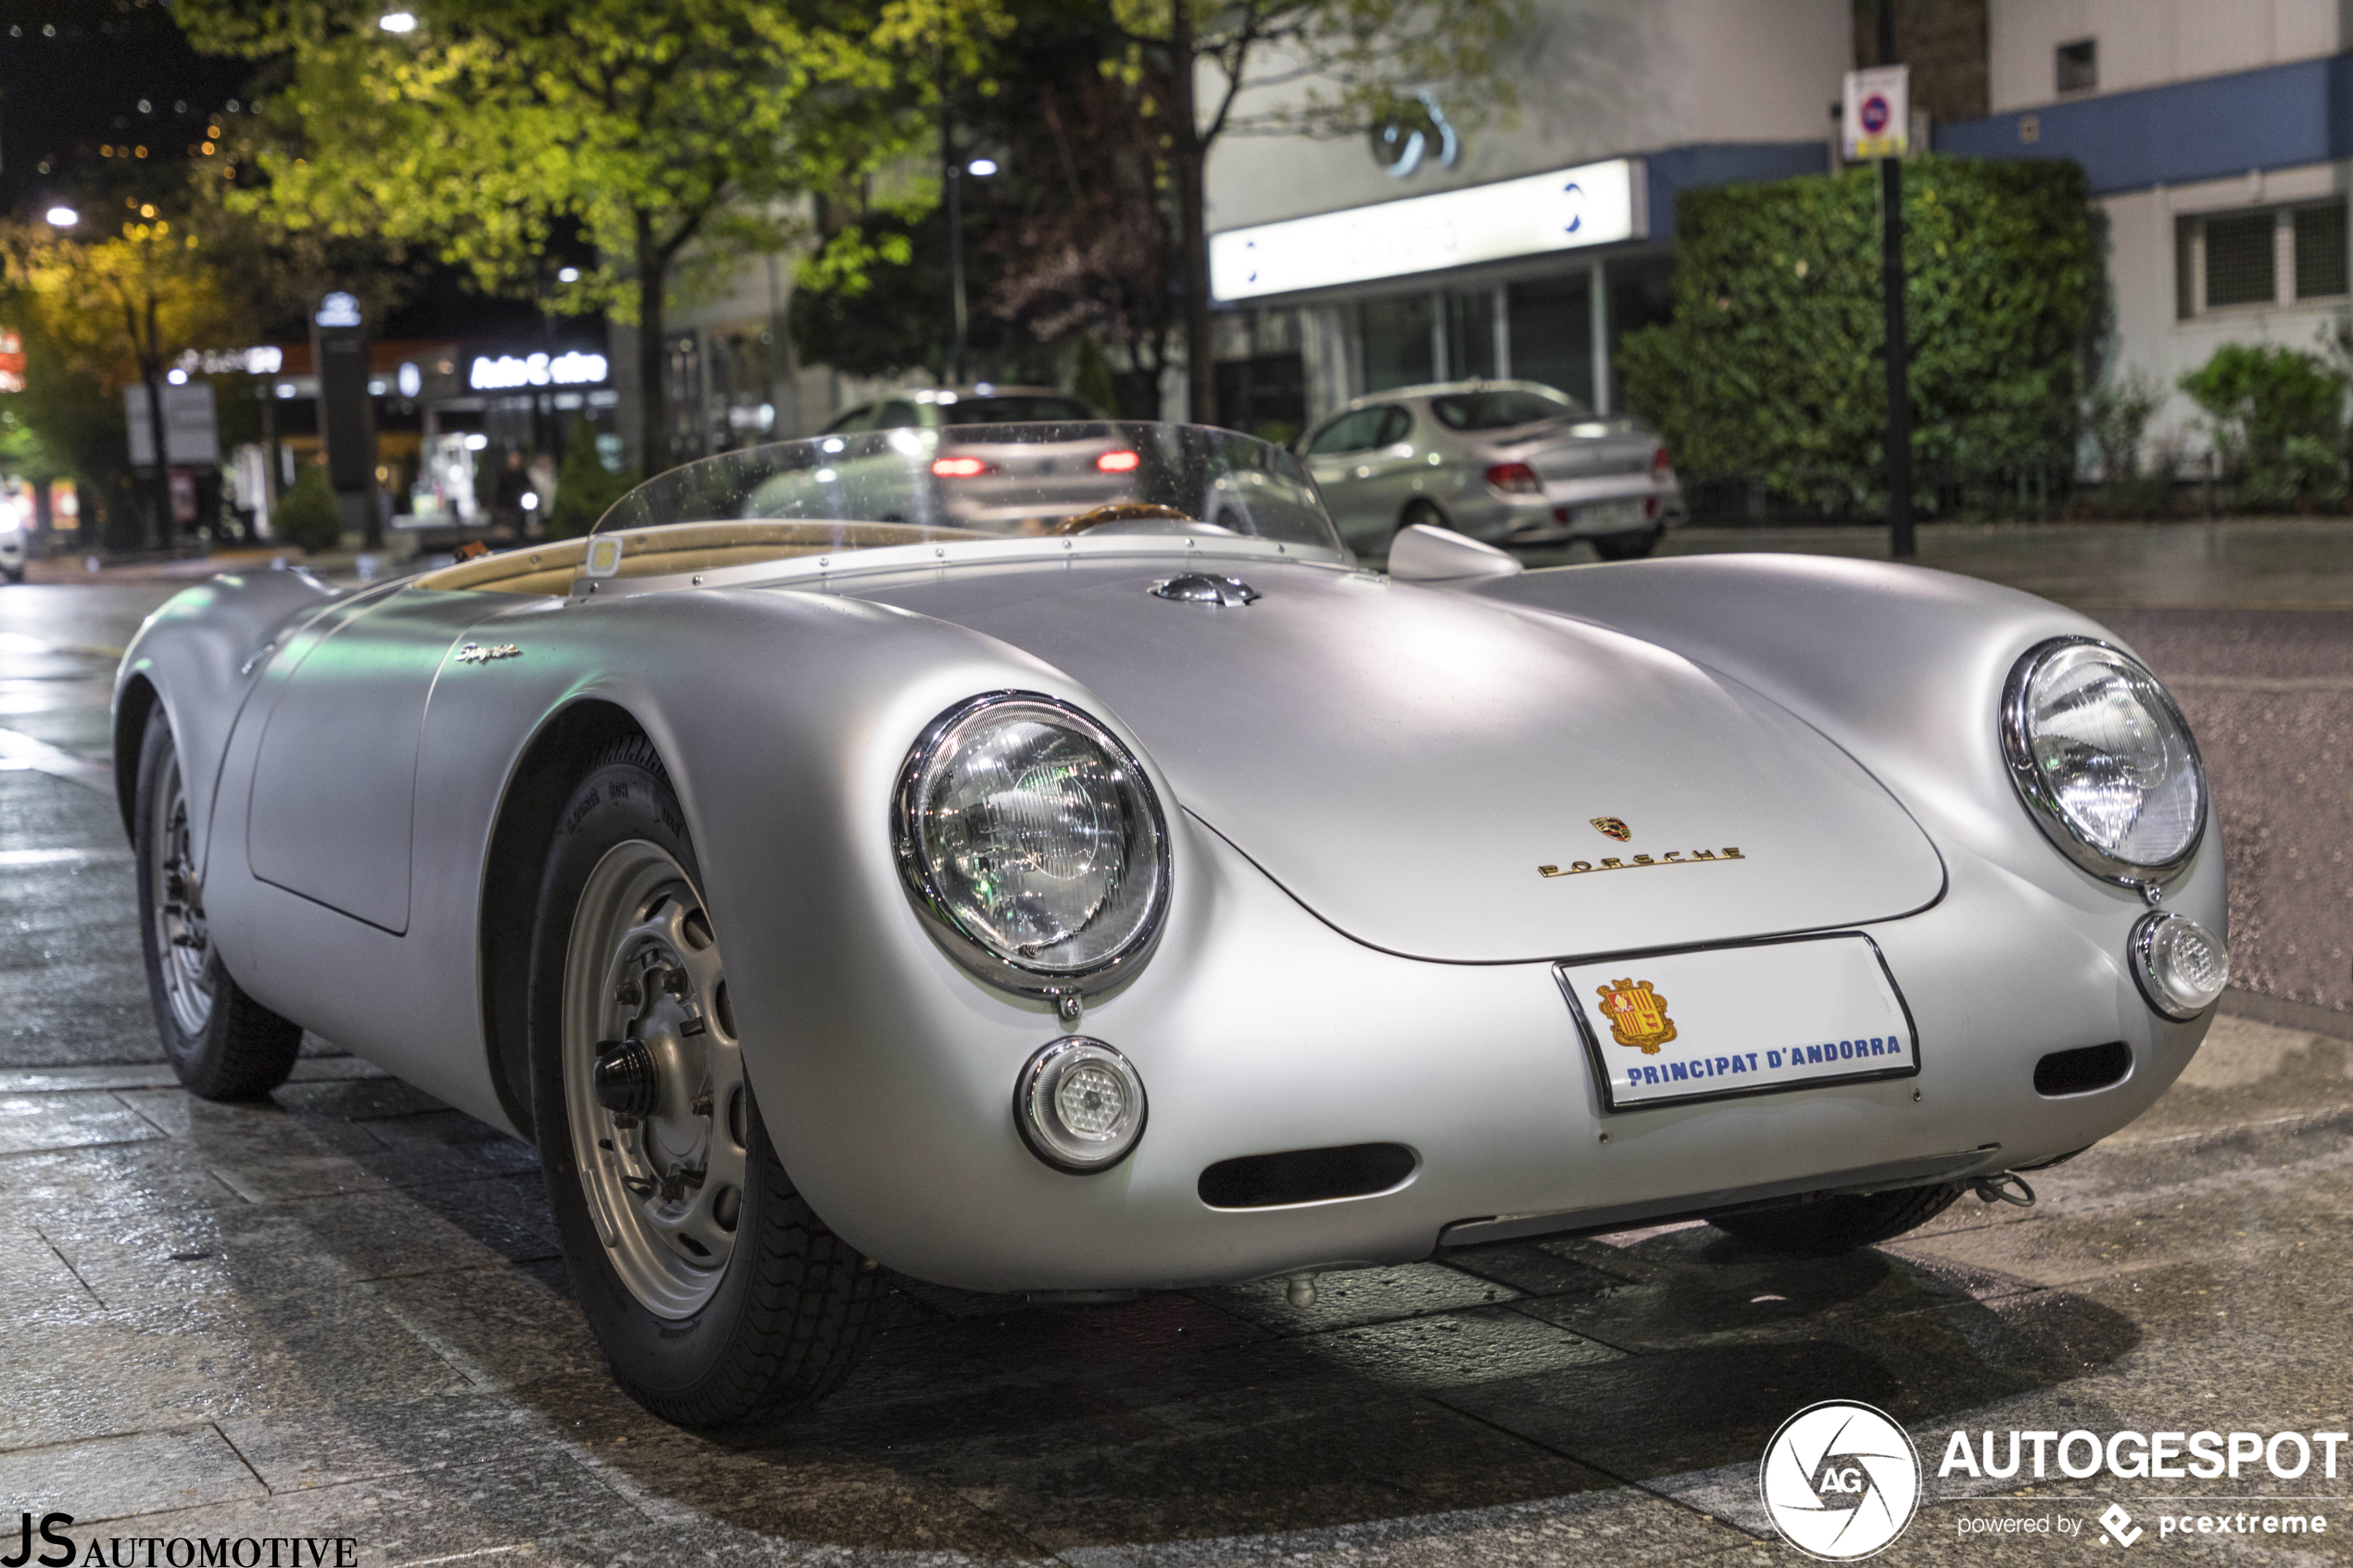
(340, 1313)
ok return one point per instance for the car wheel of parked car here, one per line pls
(15, 574)
(720, 1298)
(1632, 544)
(222, 1044)
(1829, 1225)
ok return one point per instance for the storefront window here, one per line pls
(1552, 334)
(1470, 335)
(1397, 341)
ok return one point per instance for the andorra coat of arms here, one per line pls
(1637, 1015)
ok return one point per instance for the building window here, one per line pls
(2269, 257)
(2319, 252)
(2078, 66)
(2242, 260)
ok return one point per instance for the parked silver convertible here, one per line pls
(1146, 897)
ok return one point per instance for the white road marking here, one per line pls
(19, 752)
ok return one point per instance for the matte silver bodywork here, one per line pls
(1583, 464)
(1361, 777)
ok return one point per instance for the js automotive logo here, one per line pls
(1840, 1480)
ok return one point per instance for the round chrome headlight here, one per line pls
(1033, 842)
(2104, 760)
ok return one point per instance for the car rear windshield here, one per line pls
(1499, 409)
(1013, 410)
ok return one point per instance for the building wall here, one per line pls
(2151, 339)
(1943, 42)
(1596, 79)
(2149, 43)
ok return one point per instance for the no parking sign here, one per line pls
(1878, 119)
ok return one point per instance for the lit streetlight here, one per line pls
(397, 21)
(981, 167)
(568, 274)
(62, 217)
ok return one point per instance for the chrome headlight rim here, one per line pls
(2042, 802)
(938, 913)
(2142, 947)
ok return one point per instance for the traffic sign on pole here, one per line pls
(1877, 121)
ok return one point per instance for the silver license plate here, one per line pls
(1765, 1018)
(1604, 516)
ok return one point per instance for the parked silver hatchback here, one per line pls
(1510, 462)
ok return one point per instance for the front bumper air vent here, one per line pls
(1306, 1176)
(2085, 1068)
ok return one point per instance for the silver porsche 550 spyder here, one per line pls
(1146, 897)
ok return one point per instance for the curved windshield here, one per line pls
(1012, 480)
(1500, 408)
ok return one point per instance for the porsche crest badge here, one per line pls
(1613, 827)
(1637, 1015)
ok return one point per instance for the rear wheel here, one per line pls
(1632, 544)
(719, 1297)
(222, 1043)
(1830, 1225)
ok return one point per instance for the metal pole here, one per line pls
(954, 173)
(1900, 541)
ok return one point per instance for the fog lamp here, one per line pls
(1079, 1105)
(2180, 966)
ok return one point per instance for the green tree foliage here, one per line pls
(668, 132)
(308, 517)
(1771, 366)
(583, 489)
(114, 312)
(2278, 419)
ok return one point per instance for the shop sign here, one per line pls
(573, 369)
(191, 426)
(1567, 210)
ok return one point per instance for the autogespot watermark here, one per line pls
(1843, 1481)
(59, 1549)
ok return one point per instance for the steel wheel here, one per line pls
(181, 939)
(653, 1079)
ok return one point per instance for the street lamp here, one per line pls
(981, 167)
(568, 274)
(62, 217)
(397, 21)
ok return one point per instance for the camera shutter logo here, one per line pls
(1840, 1480)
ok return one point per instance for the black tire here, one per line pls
(15, 574)
(793, 1305)
(1632, 544)
(1826, 1226)
(238, 1049)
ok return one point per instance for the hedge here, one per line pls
(1770, 368)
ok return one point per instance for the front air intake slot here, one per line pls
(1306, 1176)
(2085, 1068)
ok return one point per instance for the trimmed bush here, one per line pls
(307, 515)
(2278, 419)
(1771, 367)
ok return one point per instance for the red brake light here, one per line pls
(1516, 478)
(1117, 462)
(1659, 464)
(957, 468)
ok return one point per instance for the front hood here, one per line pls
(1406, 759)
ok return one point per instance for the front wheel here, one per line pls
(222, 1043)
(1826, 1226)
(720, 1300)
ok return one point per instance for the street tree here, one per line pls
(1301, 68)
(119, 311)
(668, 134)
